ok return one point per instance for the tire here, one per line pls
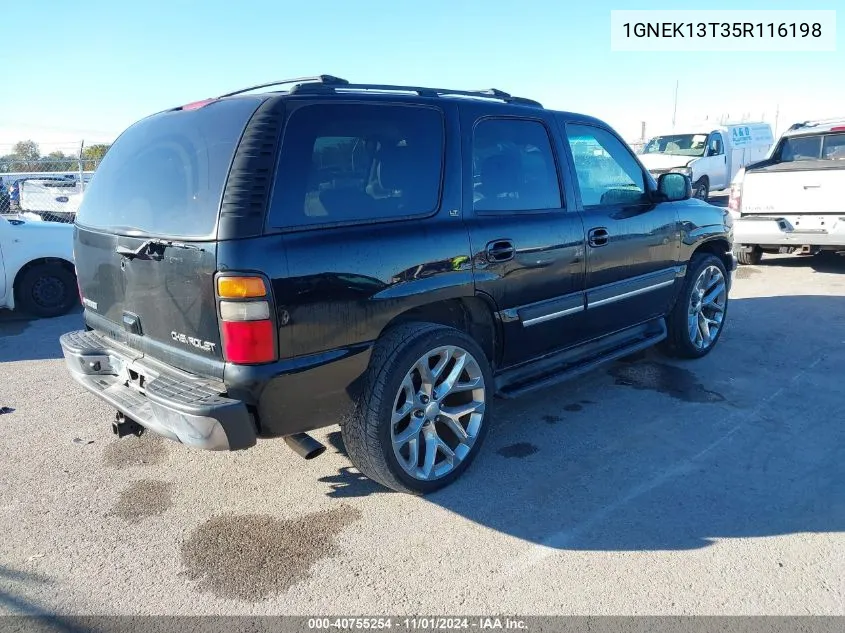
(369, 434)
(681, 340)
(46, 290)
(701, 189)
(749, 256)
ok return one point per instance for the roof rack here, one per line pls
(316, 79)
(322, 87)
(796, 126)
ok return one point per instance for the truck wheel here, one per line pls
(46, 290)
(749, 255)
(424, 409)
(701, 189)
(698, 318)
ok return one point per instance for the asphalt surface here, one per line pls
(649, 487)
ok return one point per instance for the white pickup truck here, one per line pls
(794, 200)
(36, 266)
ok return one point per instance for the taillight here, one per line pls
(735, 200)
(246, 328)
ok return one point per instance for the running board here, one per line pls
(509, 388)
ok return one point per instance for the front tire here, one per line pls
(698, 318)
(424, 410)
(46, 290)
(701, 189)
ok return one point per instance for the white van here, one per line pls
(710, 156)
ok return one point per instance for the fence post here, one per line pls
(81, 178)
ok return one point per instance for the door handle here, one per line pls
(500, 251)
(597, 237)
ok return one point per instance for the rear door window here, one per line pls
(164, 176)
(358, 163)
(513, 167)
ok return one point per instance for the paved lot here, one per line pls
(650, 487)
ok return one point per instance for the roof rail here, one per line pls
(316, 79)
(490, 93)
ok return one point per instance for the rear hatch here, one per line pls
(145, 248)
(806, 176)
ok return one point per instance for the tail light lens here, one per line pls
(248, 342)
(735, 200)
(246, 329)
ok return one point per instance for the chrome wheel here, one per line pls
(438, 412)
(707, 303)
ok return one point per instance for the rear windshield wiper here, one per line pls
(152, 249)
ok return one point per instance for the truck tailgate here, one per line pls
(780, 192)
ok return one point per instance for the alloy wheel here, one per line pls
(707, 304)
(438, 412)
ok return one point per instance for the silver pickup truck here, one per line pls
(794, 200)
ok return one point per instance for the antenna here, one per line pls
(675, 108)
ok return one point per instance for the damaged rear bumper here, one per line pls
(177, 405)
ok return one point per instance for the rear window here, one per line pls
(816, 147)
(358, 163)
(164, 176)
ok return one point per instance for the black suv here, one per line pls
(389, 258)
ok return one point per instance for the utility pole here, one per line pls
(777, 114)
(675, 108)
(81, 179)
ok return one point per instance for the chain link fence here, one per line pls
(45, 188)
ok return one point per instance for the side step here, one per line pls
(568, 370)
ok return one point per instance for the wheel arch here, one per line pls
(473, 315)
(718, 246)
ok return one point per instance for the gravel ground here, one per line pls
(650, 487)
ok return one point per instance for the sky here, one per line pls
(87, 70)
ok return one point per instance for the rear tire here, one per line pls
(399, 416)
(46, 290)
(698, 318)
(750, 256)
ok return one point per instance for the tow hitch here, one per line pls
(123, 426)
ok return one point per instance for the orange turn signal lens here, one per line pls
(240, 287)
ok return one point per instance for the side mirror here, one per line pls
(674, 187)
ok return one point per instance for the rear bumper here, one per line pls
(787, 231)
(179, 406)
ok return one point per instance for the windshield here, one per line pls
(677, 145)
(164, 176)
(814, 147)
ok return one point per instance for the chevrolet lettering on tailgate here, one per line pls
(205, 346)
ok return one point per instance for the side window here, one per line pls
(354, 162)
(607, 171)
(715, 148)
(513, 166)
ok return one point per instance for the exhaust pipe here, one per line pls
(304, 445)
(123, 426)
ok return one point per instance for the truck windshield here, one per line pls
(813, 147)
(677, 145)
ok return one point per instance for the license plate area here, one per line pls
(813, 223)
